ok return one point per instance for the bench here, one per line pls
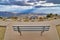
(31, 28)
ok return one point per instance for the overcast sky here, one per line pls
(16, 8)
(54, 1)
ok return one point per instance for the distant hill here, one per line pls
(8, 14)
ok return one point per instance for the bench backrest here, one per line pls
(31, 28)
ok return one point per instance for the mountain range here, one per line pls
(9, 14)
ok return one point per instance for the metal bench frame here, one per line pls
(25, 28)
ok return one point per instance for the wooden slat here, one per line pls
(31, 28)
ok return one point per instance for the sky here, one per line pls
(31, 0)
(32, 9)
(54, 1)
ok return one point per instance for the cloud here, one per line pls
(18, 0)
(21, 0)
(53, 1)
(13, 8)
(47, 10)
(46, 4)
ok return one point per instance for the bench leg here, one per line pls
(42, 33)
(20, 33)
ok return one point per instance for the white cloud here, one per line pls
(18, 0)
(48, 4)
(14, 8)
(45, 4)
(22, 0)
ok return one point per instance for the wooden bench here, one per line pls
(31, 28)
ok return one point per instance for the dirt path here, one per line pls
(49, 35)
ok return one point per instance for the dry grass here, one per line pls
(58, 30)
(2, 32)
